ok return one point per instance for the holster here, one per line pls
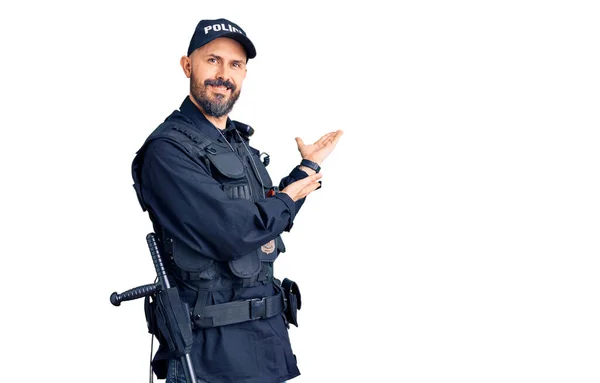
(293, 300)
(168, 319)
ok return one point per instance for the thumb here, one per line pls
(299, 142)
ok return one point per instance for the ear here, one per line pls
(186, 65)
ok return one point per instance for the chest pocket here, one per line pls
(230, 173)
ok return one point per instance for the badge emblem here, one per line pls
(268, 247)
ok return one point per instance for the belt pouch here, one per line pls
(293, 299)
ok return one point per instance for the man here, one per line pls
(219, 219)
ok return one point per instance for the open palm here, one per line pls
(318, 151)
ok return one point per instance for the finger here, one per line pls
(312, 178)
(328, 142)
(308, 181)
(309, 189)
(304, 182)
(336, 138)
(322, 140)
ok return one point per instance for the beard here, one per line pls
(219, 105)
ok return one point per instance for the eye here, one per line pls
(237, 64)
(212, 60)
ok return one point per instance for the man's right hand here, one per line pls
(301, 188)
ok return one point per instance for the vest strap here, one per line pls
(201, 300)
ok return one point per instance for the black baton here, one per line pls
(180, 331)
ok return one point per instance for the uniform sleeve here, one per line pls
(295, 175)
(190, 204)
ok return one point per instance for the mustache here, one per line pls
(220, 82)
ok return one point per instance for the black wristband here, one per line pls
(309, 164)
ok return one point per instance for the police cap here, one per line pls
(208, 30)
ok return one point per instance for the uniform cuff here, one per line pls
(289, 202)
(298, 173)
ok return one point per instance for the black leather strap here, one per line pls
(309, 164)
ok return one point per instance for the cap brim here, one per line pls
(246, 43)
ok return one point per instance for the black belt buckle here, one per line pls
(258, 308)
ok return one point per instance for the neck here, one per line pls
(219, 122)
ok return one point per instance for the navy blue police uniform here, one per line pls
(219, 221)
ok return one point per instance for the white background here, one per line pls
(455, 238)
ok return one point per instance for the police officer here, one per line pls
(219, 217)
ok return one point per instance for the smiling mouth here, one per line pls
(221, 88)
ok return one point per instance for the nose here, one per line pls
(223, 73)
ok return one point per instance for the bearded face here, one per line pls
(216, 71)
(215, 96)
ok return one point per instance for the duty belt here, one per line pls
(237, 311)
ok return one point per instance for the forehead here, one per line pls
(224, 47)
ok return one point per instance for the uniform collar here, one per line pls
(206, 127)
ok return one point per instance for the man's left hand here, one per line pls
(318, 151)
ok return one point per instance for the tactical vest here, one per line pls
(241, 175)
